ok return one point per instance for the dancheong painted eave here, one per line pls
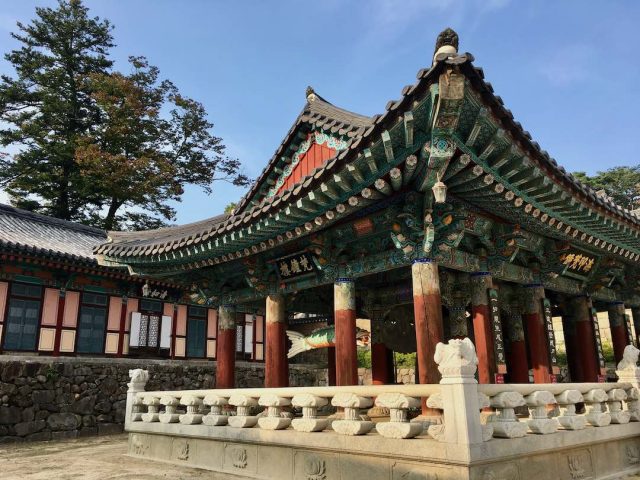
(494, 165)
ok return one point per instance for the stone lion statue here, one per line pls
(456, 353)
(139, 375)
(629, 358)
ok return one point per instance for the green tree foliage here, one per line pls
(622, 184)
(230, 208)
(96, 145)
(47, 107)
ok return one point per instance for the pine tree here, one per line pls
(47, 107)
(96, 145)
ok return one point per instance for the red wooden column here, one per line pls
(481, 282)
(618, 327)
(572, 345)
(226, 347)
(380, 368)
(635, 314)
(276, 365)
(427, 312)
(536, 333)
(517, 362)
(59, 320)
(331, 366)
(587, 350)
(344, 299)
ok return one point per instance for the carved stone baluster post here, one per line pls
(629, 372)
(133, 411)
(596, 415)
(569, 419)
(137, 409)
(614, 401)
(633, 404)
(398, 426)
(243, 418)
(215, 417)
(505, 423)
(309, 421)
(484, 402)
(170, 414)
(457, 362)
(352, 424)
(193, 415)
(537, 403)
(153, 407)
(274, 420)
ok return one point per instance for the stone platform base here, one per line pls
(592, 453)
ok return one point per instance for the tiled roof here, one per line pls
(316, 114)
(32, 232)
(359, 130)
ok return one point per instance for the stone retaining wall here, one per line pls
(46, 398)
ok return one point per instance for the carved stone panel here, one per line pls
(240, 458)
(411, 471)
(578, 465)
(504, 471)
(315, 466)
(139, 445)
(181, 450)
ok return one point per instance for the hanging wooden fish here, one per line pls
(321, 338)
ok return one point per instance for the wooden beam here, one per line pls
(388, 147)
(395, 175)
(408, 129)
(371, 161)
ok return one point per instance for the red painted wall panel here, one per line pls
(315, 157)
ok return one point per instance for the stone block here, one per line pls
(28, 414)
(109, 386)
(7, 388)
(109, 428)
(64, 435)
(27, 428)
(43, 396)
(89, 421)
(39, 437)
(315, 465)
(88, 432)
(275, 462)
(240, 459)
(11, 370)
(11, 439)
(41, 415)
(84, 406)
(102, 407)
(63, 421)
(10, 415)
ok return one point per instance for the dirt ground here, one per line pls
(97, 458)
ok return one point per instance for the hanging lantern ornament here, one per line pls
(439, 191)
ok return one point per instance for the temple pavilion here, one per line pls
(439, 218)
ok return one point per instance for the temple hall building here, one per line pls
(439, 218)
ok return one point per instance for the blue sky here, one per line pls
(569, 70)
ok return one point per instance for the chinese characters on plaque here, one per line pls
(498, 337)
(295, 266)
(596, 334)
(548, 321)
(576, 262)
(629, 335)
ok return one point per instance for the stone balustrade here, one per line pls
(472, 415)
